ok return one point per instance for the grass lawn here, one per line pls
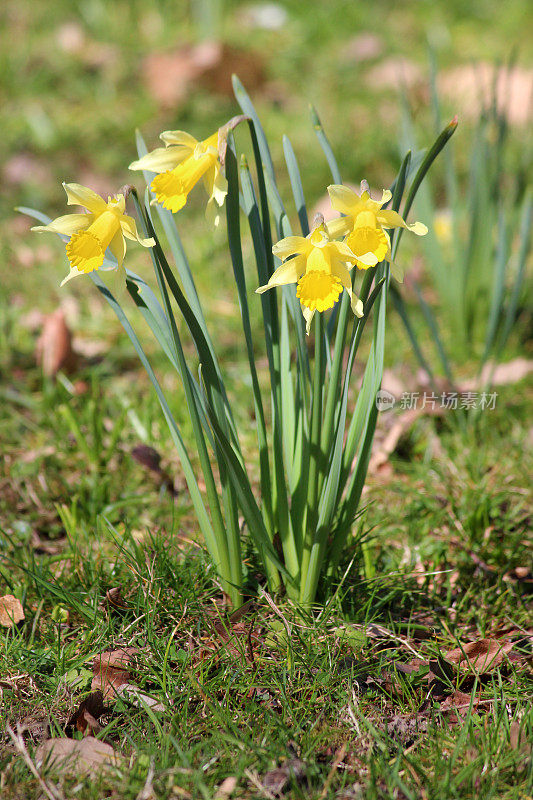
(413, 679)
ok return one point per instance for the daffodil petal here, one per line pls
(74, 272)
(342, 273)
(179, 138)
(129, 229)
(308, 315)
(396, 271)
(212, 213)
(115, 280)
(67, 225)
(117, 246)
(367, 258)
(291, 245)
(340, 227)
(391, 219)
(289, 272)
(385, 197)
(344, 199)
(161, 159)
(78, 195)
(220, 187)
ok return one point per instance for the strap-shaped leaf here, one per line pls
(296, 185)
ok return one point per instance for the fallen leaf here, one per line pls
(499, 374)
(132, 693)
(457, 705)
(11, 611)
(111, 671)
(170, 76)
(76, 755)
(394, 73)
(481, 657)
(399, 428)
(114, 600)
(226, 788)
(276, 780)
(363, 47)
(406, 728)
(473, 87)
(521, 576)
(151, 459)
(85, 718)
(518, 737)
(54, 347)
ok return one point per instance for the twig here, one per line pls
(339, 755)
(18, 741)
(276, 610)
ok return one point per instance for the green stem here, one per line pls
(315, 453)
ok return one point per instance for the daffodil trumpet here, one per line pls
(105, 225)
(320, 268)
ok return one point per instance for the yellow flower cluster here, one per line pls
(319, 265)
(179, 166)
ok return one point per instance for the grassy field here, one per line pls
(369, 697)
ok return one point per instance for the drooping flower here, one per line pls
(180, 165)
(105, 225)
(365, 222)
(320, 269)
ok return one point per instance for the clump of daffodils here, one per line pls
(314, 457)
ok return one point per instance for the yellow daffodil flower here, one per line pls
(364, 223)
(319, 267)
(105, 225)
(180, 165)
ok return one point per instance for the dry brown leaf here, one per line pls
(85, 718)
(363, 47)
(518, 737)
(111, 671)
(24, 168)
(170, 76)
(226, 788)
(481, 657)
(76, 755)
(54, 351)
(114, 600)
(399, 428)
(276, 780)
(394, 73)
(151, 459)
(11, 611)
(457, 705)
(471, 88)
(499, 374)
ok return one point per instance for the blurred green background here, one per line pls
(77, 78)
